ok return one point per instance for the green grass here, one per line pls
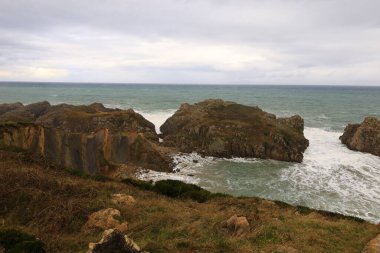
(175, 189)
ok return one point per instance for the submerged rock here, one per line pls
(226, 129)
(364, 137)
(116, 242)
(89, 138)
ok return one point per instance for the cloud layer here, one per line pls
(193, 41)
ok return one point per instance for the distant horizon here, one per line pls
(185, 84)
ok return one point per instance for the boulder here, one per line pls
(116, 242)
(123, 199)
(103, 219)
(227, 129)
(89, 138)
(364, 137)
(106, 219)
(237, 225)
(373, 246)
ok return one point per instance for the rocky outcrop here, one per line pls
(88, 138)
(123, 199)
(237, 225)
(364, 137)
(373, 246)
(225, 129)
(105, 219)
(116, 242)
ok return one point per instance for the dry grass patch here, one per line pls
(54, 205)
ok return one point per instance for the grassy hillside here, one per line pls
(54, 204)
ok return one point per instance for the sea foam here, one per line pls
(331, 177)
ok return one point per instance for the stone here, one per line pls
(123, 199)
(237, 225)
(373, 246)
(116, 242)
(103, 219)
(364, 137)
(226, 129)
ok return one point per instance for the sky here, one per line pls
(332, 42)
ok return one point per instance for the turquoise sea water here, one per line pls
(331, 177)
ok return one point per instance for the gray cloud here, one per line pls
(214, 41)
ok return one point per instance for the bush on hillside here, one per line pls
(14, 241)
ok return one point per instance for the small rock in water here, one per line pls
(190, 175)
(195, 161)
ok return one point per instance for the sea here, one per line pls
(331, 177)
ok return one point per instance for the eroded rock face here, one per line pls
(364, 137)
(116, 242)
(88, 138)
(225, 129)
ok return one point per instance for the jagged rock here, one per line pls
(88, 138)
(364, 137)
(123, 199)
(113, 241)
(106, 219)
(373, 246)
(225, 129)
(237, 225)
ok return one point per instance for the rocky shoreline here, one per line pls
(95, 139)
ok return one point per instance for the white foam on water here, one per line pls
(334, 178)
(331, 177)
(157, 117)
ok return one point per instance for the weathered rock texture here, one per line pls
(87, 138)
(106, 219)
(364, 137)
(225, 129)
(373, 246)
(237, 225)
(116, 242)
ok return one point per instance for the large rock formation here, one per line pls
(364, 137)
(225, 129)
(87, 138)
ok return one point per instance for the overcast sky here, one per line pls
(191, 41)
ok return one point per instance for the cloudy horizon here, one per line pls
(321, 42)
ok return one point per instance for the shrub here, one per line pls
(15, 241)
(175, 189)
(138, 183)
(178, 189)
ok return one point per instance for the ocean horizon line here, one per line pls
(72, 83)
